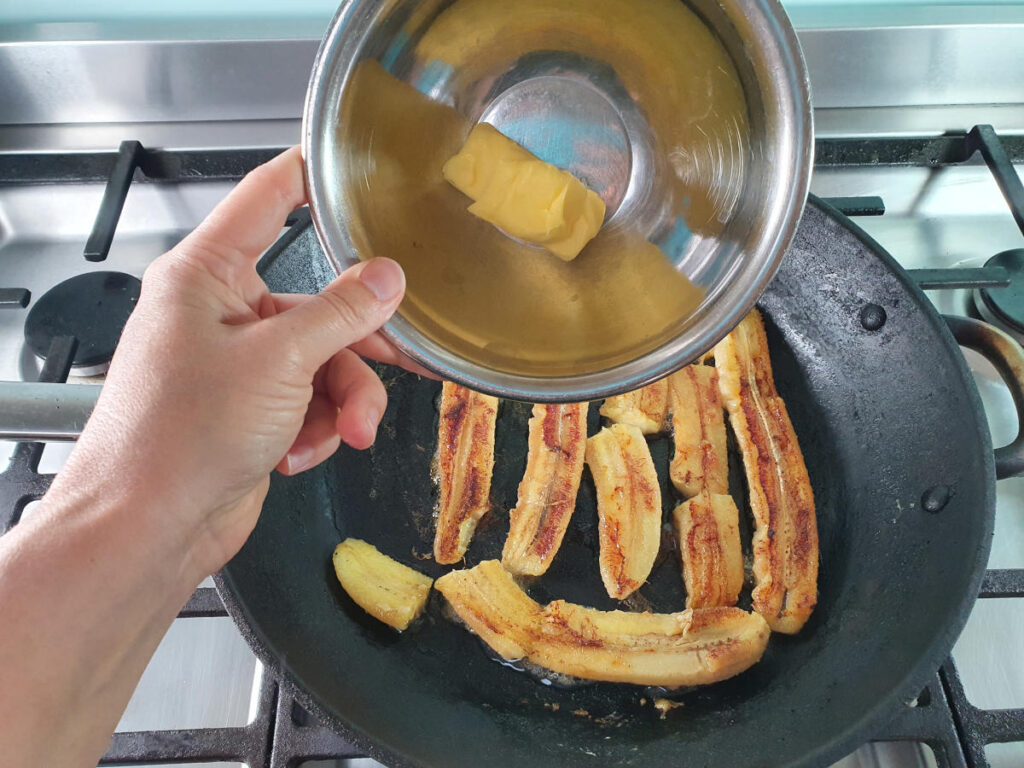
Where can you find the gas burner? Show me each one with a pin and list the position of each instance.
(1004, 307)
(92, 307)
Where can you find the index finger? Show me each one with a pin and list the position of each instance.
(250, 218)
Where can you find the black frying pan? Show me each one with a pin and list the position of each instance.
(902, 465)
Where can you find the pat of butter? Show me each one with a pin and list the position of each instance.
(524, 196)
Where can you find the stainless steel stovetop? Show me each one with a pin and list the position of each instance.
(68, 96)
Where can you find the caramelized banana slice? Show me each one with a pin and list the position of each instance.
(698, 431)
(384, 588)
(786, 537)
(709, 543)
(465, 459)
(693, 647)
(628, 507)
(645, 408)
(489, 601)
(547, 493)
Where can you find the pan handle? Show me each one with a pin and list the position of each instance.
(1008, 358)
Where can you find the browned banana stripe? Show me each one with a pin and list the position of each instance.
(547, 493)
(628, 507)
(785, 541)
(709, 544)
(645, 408)
(692, 647)
(698, 431)
(465, 459)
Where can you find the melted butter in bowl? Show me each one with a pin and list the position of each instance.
(638, 99)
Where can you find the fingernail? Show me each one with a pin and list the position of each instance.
(383, 277)
(300, 458)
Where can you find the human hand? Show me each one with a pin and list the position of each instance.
(216, 381)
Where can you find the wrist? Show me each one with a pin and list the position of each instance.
(141, 531)
(223, 531)
(89, 582)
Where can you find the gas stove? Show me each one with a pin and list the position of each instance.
(85, 206)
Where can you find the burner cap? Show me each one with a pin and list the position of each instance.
(92, 307)
(1005, 305)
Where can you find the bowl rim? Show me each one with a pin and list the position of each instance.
(790, 90)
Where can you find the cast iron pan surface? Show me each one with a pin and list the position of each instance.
(881, 416)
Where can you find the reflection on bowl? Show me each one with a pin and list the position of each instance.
(646, 101)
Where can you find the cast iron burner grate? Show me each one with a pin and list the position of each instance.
(283, 734)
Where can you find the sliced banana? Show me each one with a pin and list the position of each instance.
(465, 461)
(785, 539)
(384, 588)
(628, 507)
(692, 647)
(547, 493)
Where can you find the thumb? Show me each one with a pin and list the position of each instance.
(352, 307)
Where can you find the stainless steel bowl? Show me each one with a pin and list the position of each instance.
(691, 120)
